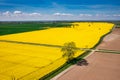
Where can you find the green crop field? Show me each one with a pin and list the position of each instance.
(17, 27)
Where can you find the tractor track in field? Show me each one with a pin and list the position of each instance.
(58, 46)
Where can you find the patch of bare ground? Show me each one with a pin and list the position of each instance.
(101, 66)
(111, 41)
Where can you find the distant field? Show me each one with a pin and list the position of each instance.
(117, 24)
(31, 62)
(17, 27)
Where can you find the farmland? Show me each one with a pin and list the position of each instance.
(29, 62)
(17, 27)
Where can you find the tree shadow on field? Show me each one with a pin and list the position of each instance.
(82, 62)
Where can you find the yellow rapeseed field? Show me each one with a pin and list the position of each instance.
(31, 62)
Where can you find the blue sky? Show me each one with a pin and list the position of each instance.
(59, 10)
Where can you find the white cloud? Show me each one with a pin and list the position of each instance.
(116, 15)
(7, 13)
(103, 15)
(19, 16)
(57, 14)
(85, 15)
(17, 12)
(106, 15)
(35, 14)
(97, 15)
(62, 14)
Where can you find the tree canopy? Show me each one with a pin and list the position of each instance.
(69, 50)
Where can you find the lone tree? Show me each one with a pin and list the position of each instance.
(69, 50)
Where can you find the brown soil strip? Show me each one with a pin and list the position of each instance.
(111, 41)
